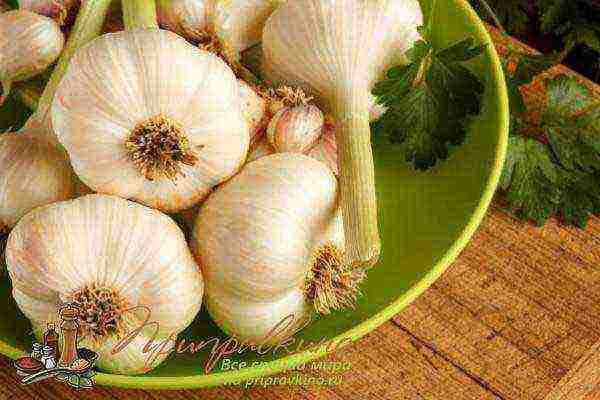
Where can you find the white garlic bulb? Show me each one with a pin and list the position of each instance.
(337, 49)
(235, 24)
(29, 43)
(139, 125)
(33, 172)
(106, 255)
(270, 244)
(295, 129)
(254, 109)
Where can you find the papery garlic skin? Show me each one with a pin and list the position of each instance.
(295, 129)
(33, 173)
(255, 239)
(29, 43)
(325, 150)
(137, 253)
(124, 80)
(254, 109)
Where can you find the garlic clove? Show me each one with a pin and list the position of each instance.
(295, 129)
(29, 43)
(116, 97)
(254, 109)
(325, 150)
(126, 253)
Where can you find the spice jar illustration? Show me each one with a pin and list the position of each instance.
(68, 329)
(51, 340)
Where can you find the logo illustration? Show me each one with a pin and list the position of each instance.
(58, 356)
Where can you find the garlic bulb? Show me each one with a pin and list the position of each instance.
(270, 244)
(254, 109)
(138, 125)
(33, 172)
(231, 25)
(105, 255)
(49, 8)
(295, 129)
(29, 43)
(336, 49)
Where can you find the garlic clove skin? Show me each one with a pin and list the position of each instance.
(29, 43)
(124, 87)
(254, 109)
(325, 150)
(136, 254)
(295, 129)
(33, 173)
(254, 279)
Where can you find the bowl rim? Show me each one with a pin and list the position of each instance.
(372, 323)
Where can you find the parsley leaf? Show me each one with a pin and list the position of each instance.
(12, 4)
(572, 123)
(563, 177)
(529, 179)
(429, 100)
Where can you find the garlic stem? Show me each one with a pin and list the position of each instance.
(88, 26)
(139, 14)
(357, 179)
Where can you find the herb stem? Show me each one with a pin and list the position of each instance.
(139, 14)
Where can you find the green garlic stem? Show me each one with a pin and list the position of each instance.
(88, 26)
(139, 14)
(357, 179)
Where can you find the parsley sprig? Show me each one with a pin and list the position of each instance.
(429, 100)
(558, 173)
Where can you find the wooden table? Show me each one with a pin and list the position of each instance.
(516, 317)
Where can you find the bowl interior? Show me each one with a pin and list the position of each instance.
(425, 220)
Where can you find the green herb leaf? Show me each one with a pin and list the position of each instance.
(529, 178)
(13, 4)
(562, 178)
(572, 123)
(429, 101)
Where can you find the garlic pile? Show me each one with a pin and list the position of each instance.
(144, 116)
(157, 134)
(29, 43)
(337, 49)
(106, 255)
(254, 279)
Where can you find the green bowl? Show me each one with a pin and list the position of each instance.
(426, 219)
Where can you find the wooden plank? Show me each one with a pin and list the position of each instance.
(387, 364)
(583, 381)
